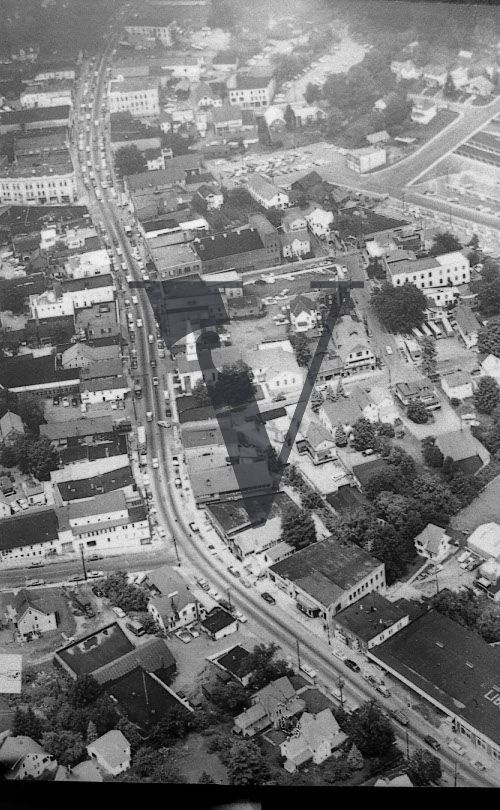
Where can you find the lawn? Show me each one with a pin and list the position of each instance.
(425, 133)
(195, 759)
(483, 509)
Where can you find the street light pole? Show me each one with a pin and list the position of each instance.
(229, 598)
(407, 746)
(298, 652)
(83, 562)
(340, 684)
(176, 549)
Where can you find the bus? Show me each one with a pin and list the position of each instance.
(427, 332)
(447, 326)
(418, 334)
(435, 328)
(413, 349)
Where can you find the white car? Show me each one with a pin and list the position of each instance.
(156, 463)
(388, 350)
(65, 402)
(95, 574)
(214, 594)
(239, 615)
(309, 671)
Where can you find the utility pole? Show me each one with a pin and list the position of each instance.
(455, 775)
(229, 598)
(83, 562)
(407, 746)
(298, 652)
(437, 582)
(176, 549)
(340, 684)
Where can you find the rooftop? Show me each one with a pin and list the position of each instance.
(370, 615)
(113, 747)
(98, 505)
(88, 487)
(217, 619)
(326, 569)
(228, 244)
(77, 428)
(25, 370)
(234, 661)
(92, 652)
(20, 530)
(152, 656)
(244, 81)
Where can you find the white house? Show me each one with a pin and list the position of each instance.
(457, 385)
(435, 75)
(319, 221)
(294, 220)
(24, 758)
(35, 613)
(490, 367)
(304, 314)
(251, 92)
(296, 243)
(352, 346)
(111, 752)
(172, 604)
(266, 193)
(424, 110)
(481, 86)
(460, 76)
(433, 543)
(315, 738)
(446, 270)
(468, 325)
(406, 70)
(210, 197)
(277, 369)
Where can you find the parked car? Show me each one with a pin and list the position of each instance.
(309, 671)
(33, 583)
(156, 463)
(184, 636)
(65, 402)
(97, 591)
(119, 612)
(400, 717)
(370, 679)
(95, 574)
(76, 578)
(203, 583)
(234, 573)
(268, 598)
(178, 483)
(38, 564)
(214, 594)
(383, 690)
(246, 583)
(479, 765)
(225, 604)
(193, 632)
(352, 665)
(55, 401)
(155, 381)
(239, 615)
(456, 747)
(194, 528)
(432, 742)
(94, 557)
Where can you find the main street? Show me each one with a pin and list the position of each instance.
(174, 511)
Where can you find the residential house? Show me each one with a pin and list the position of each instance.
(294, 219)
(315, 738)
(378, 137)
(467, 324)
(266, 193)
(111, 752)
(202, 96)
(433, 543)
(234, 662)
(35, 613)
(369, 622)
(269, 237)
(319, 221)
(421, 390)
(275, 120)
(401, 781)
(277, 369)
(458, 385)
(219, 623)
(343, 413)
(173, 605)
(304, 314)
(490, 367)
(481, 86)
(318, 443)
(423, 111)
(11, 426)
(406, 71)
(307, 114)
(327, 576)
(227, 118)
(271, 706)
(295, 243)
(86, 771)
(352, 347)
(23, 758)
(251, 92)
(209, 198)
(467, 452)
(435, 75)
(460, 76)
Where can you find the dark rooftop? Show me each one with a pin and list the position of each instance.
(142, 699)
(346, 497)
(153, 656)
(93, 651)
(88, 487)
(40, 526)
(26, 369)
(452, 665)
(234, 661)
(228, 244)
(217, 619)
(34, 114)
(364, 471)
(370, 616)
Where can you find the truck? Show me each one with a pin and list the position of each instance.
(141, 438)
(137, 389)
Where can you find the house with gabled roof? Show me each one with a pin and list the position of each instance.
(11, 426)
(304, 314)
(271, 705)
(433, 543)
(296, 243)
(266, 193)
(172, 604)
(24, 758)
(35, 613)
(315, 738)
(352, 346)
(111, 752)
(318, 442)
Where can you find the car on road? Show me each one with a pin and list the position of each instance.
(352, 665)
(246, 583)
(268, 598)
(36, 565)
(139, 323)
(133, 364)
(239, 615)
(388, 349)
(383, 690)
(94, 557)
(119, 612)
(432, 742)
(155, 380)
(76, 578)
(203, 583)
(194, 528)
(456, 747)
(95, 574)
(400, 717)
(370, 679)
(156, 463)
(309, 671)
(224, 603)
(184, 636)
(479, 765)
(213, 594)
(234, 573)
(193, 631)
(33, 583)
(178, 483)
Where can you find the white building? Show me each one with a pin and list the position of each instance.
(424, 110)
(251, 92)
(34, 614)
(460, 76)
(139, 97)
(91, 263)
(485, 541)
(47, 182)
(457, 385)
(468, 325)
(319, 221)
(277, 370)
(107, 522)
(448, 269)
(111, 752)
(266, 193)
(49, 305)
(490, 367)
(315, 738)
(147, 29)
(50, 94)
(56, 73)
(105, 389)
(24, 758)
(172, 604)
(304, 314)
(365, 159)
(296, 243)
(433, 543)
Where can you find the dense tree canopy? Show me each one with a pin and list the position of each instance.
(428, 350)
(424, 768)
(122, 594)
(264, 666)
(444, 243)
(399, 308)
(470, 610)
(417, 412)
(129, 160)
(488, 338)
(487, 395)
(297, 528)
(371, 731)
(363, 434)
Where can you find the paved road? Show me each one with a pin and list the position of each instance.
(175, 509)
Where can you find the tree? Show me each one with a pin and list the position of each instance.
(385, 429)
(388, 548)
(337, 770)
(206, 779)
(404, 463)
(312, 501)
(399, 308)
(431, 453)
(424, 768)
(200, 395)
(222, 15)
(129, 160)
(289, 117)
(91, 732)
(488, 339)
(384, 480)
(8, 455)
(36, 456)
(449, 88)
(428, 347)
(68, 747)
(31, 413)
(340, 437)
(371, 731)
(402, 512)
(230, 697)
(302, 350)
(149, 765)
(247, 765)
(297, 528)
(435, 499)
(488, 297)
(313, 93)
(12, 297)
(173, 726)
(355, 758)
(264, 667)
(363, 434)
(27, 724)
(334, 122)
(235, 384)
(444, 243)
(417, 412)
(487, 395)
(465, 487)
(127, 596)
(130, 731)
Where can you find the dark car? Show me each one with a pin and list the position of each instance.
(55, 401)
(432, 742)
(268, 598)
(97, 591)
(153, 363)
(225, 604)
(352, 665)
(74, 401)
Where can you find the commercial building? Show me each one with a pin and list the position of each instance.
(242, 249)
(328, 576)
(251, 92)
(452, 668)
(139, 97)
(38, 377)
(402, 266)
(365, 159)
(265, 193)
(485, 541)
(369, 622)
(269, 236)
(107, 523)
(36, 118)
(34, 181)
(150, 26)
(47, 94)
(173, 261)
